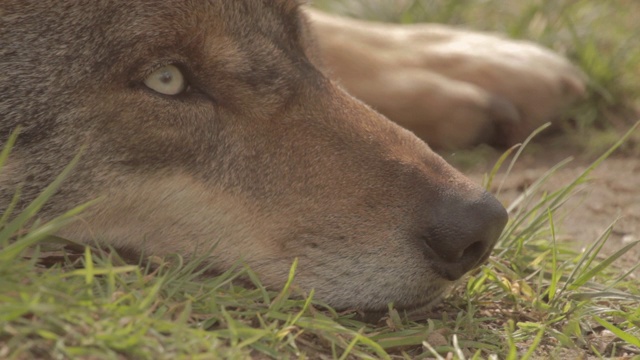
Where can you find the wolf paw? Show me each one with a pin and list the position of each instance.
(454, 88)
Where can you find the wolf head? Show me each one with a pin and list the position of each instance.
(207, 123)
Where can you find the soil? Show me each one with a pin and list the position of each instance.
(611, 195)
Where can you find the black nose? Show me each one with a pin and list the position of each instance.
(463, 233)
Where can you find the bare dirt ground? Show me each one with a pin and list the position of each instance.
(612, 194)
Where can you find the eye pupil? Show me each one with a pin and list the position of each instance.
(166, 77)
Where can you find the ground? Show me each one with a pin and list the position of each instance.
(611, 195)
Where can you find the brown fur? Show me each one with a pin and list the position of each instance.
(263, 156)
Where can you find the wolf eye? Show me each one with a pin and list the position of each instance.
(167, 80)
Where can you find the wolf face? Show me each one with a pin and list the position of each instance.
(207, 123)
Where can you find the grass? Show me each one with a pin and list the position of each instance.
(538, 297)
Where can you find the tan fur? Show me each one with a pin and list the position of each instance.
(253, 237)
(454, 88)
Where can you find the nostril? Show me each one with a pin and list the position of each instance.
(461, 254)
(453, 267)
(474, 251)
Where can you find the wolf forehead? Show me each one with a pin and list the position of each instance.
(100, 35)
(51, 49)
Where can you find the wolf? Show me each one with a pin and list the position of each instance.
(215, 124)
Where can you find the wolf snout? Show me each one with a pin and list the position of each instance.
(463, 233)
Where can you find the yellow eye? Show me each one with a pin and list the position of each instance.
(167, 80)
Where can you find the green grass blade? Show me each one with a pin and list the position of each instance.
(6, 149)
(278, 302)
(580, 281)
(534, 345)
(519, 153)
(498, 166)
(32, 209)
(12, 251)
(633, 340)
